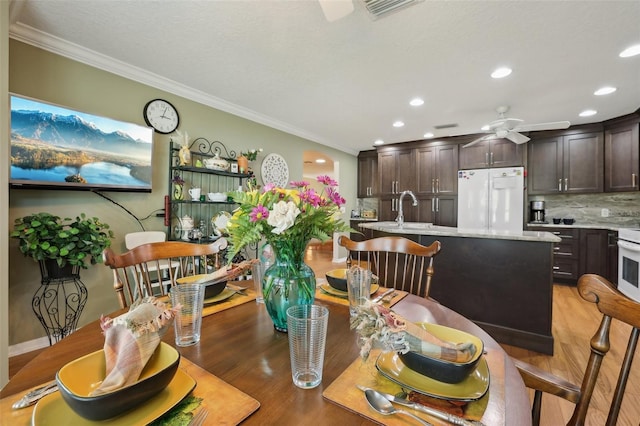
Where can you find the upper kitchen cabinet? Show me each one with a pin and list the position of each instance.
(491, 153)
(368, 174)
(566, 162)
(436, 169)
(621, 159)
(396, 170)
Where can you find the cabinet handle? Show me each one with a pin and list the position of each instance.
(560, 185)
(433, 185)
(433, 205)
(633, 180)
(566, 184)
(437, 185)
(486, 158)
(437, 205)
(555, 268)
(491, 158)
(397, 187)
(556, 248)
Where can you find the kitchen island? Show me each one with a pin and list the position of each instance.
(503, 281)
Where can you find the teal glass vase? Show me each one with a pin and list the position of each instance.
(287, 282)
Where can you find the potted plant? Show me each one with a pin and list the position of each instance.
(65, 243)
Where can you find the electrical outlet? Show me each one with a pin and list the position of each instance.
(604, 212)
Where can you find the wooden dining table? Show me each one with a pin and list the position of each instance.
(240, 347)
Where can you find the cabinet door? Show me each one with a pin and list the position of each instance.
(426, 171)
(387, 209)
(367, 176)
(504, 153)
(545, 166)
(426, 210)
(405, 171)
(621, 159)
(387, 173)
(594, 255)
(447, 211)
(446, 161)
(475, 156)
(583, 164)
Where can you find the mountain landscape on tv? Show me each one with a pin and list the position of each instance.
(52, 147)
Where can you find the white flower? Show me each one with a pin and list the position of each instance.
(283, 216)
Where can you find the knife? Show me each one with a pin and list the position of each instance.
(35, 395)
(451, 418)
(382, 296)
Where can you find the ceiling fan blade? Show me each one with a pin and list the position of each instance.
(554, 125)
(480, 139)
(336, 9)
(508, 123)
(517, 137)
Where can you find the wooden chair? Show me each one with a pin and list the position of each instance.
(397, 261)
(612, 304)
(132, 269)
(135, 239)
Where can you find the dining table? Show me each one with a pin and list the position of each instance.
(249, 361)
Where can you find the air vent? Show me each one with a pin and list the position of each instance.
(378, 8)
(446, 126)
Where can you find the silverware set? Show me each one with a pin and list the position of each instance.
(35, 395)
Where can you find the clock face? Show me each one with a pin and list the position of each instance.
(161, 115)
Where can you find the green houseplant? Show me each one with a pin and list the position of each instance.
(44, 236)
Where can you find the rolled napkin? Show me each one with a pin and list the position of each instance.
(130, 340)
(377, 323)
(226, 272)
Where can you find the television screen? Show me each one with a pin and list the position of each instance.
(56, 147)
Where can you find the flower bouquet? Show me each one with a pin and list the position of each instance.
(287, 219)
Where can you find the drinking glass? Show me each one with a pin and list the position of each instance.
(358, 287)
(188, 319)
(307, 328)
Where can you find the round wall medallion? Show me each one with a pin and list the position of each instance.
(275, 170)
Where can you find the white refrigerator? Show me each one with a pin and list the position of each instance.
(491, 199)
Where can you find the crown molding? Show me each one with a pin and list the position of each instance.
(32, 36)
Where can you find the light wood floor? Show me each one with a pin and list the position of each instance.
(574, 323)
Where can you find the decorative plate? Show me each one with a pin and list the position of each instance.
(470, 389)
(219, 222)
(226, 293)
(51, 409)
(275, 170)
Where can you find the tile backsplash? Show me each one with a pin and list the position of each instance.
(623, 207)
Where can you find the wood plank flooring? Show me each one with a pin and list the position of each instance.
(574, 323)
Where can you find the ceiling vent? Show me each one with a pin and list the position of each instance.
(379, 8)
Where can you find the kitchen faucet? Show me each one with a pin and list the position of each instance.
(400, 218)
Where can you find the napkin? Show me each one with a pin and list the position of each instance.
(130, 340)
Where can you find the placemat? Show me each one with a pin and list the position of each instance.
(326, 297)
(343, 391)
(247, 295)
(226, 404)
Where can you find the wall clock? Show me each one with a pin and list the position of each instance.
(161, 115)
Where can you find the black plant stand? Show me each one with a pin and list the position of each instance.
(60, 299)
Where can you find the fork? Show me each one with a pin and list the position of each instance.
(199, 418)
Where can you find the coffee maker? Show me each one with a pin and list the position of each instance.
(536, 212)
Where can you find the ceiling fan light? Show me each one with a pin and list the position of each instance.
(588, 113)
(630, 51)
(501, 72)
(604, 91)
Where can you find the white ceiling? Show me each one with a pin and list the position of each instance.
(344, 83)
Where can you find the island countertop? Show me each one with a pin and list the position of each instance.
(420, 228)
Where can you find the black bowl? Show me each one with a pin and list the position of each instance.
(211, 289)
(438, 369)
(78, 378)
(337, 278)
(568, 221)
(556, 221)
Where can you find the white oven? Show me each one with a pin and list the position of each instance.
(629, 262)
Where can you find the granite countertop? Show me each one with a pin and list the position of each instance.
(609, 227)
(418, 228)
(364, 219)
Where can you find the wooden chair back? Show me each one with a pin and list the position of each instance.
(132, 270)
(612, 305)
(397, 261)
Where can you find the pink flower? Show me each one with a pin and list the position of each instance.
(326, 180)
(268, 187)
(299, 184)
(311, 196)
(259, 212)
(335, 197)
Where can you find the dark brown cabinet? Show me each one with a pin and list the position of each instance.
(439, 210)
(367, 174)
(594, 256)
(436, 169)
(566, 163)
(492, 153)
(621, 159)
(396, 171)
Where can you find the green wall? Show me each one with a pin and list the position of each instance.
(49, 77)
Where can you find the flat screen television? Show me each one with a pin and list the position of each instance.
(53, 147)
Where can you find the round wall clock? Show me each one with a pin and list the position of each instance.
(161, 115)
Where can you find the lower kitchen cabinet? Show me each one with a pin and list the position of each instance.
(438, 210)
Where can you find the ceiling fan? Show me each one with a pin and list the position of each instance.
(509, 128)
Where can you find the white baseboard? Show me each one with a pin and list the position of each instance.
(31, 345)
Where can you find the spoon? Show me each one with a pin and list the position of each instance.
(382, 405)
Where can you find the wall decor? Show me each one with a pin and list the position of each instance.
(275, 170)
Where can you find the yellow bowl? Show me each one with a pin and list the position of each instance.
(337, 278)
(77, 379)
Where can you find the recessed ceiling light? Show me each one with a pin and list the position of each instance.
(604, 90)
(321, 161)
(630, 51)
(501, 72)
(398, 123)
(485, 128)
(428, 135)
(416, 102)
(378, 142)
(588, 113)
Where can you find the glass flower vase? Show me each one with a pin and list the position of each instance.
(287, 282)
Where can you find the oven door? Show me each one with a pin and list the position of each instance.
(629, 269)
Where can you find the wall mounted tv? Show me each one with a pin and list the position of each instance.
(57, 148)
